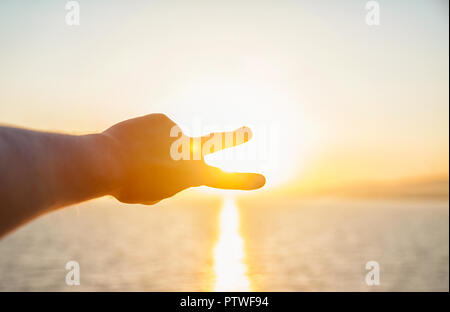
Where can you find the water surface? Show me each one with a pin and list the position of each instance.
(295, 245)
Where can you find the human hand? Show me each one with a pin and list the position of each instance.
(146, 171)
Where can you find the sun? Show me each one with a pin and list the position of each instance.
(279, 138)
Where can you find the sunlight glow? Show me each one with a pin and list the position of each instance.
(231, 272)
(280, 140)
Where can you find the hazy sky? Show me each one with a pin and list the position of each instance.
(352, 102)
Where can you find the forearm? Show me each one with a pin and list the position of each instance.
(44, 171)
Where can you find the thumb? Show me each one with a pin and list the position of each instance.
(217, 178)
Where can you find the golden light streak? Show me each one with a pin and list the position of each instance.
(229, 267)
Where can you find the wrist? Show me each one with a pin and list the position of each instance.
(106, 162)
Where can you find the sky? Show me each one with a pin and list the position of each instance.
(331, 99)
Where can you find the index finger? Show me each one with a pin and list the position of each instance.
(218, 141)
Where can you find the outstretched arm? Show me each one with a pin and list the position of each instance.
(40, 172)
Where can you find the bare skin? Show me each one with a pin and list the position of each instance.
(41, 172)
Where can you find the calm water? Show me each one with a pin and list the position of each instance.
(320, 245)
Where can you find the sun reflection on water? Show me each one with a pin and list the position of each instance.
(229, 267)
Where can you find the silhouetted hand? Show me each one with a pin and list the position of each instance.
(147, 171)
